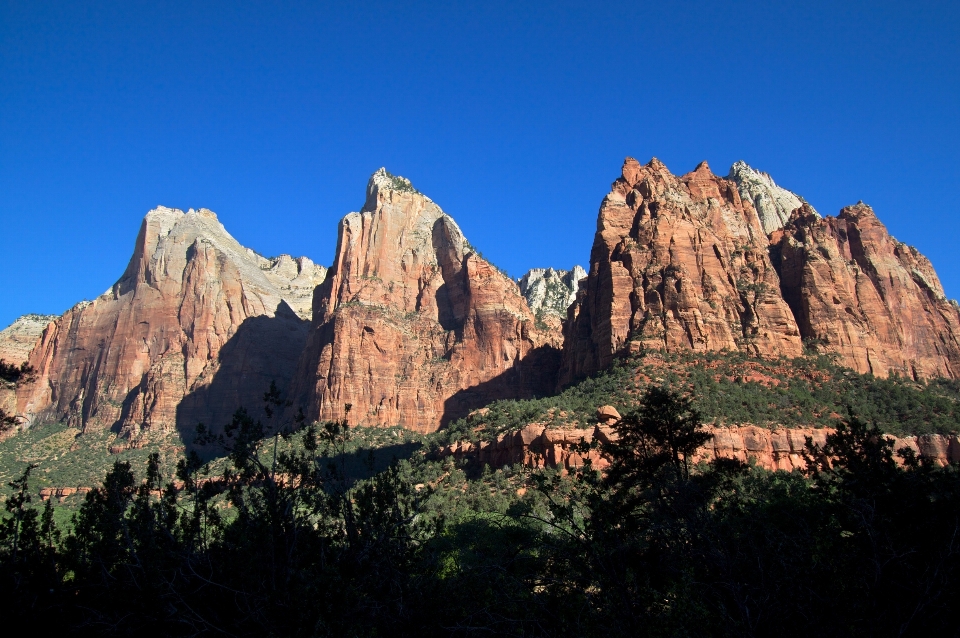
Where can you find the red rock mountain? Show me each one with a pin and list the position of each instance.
(197, 326)
(412, 327)
(859, 293)
(677, 263)
(684, 263)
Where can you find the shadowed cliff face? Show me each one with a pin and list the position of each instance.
(412, 327)
(128, 358)
(677, 263)
(860, 294)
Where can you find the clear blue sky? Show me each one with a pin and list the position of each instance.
(513, 116)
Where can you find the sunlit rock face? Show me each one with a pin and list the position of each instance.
(412, 327)
(18, 339)
(860, 294)
(686, 263)
(677, 263)
(196, 327)
(772, 203)
(549, 291)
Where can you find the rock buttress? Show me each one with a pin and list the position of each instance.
(860, 294)
(412, 327)
(677, 263)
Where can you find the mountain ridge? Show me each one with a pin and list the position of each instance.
(411, 326)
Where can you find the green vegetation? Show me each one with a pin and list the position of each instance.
(401, 184)
(64, 458)
(734, 389)
(281, 542)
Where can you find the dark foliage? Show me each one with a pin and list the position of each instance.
(14, 374)
(284, 543)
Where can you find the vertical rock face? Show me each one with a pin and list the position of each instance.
(772, 203)
(197, 326)
(859, 293)
(411, 326)
(18, 339)
(677, 263)
(549, 291)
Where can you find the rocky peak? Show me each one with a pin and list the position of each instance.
(398, 244)
(196, 325)
(677, 263)
(860, 294)
(772, 203)
(549, 291)
(383, 181)
(411, 325)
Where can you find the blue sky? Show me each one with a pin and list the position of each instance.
(514, 117)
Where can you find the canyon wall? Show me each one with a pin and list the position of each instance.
(686, 263)
(677, 263)
(412, 327)
(859, 293)
(196, 326)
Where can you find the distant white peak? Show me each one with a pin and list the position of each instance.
(772, 203)
(551, 291)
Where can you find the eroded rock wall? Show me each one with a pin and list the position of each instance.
(860, 294)
(411, 326)
(197, 326)
(677, 263)
(781, 449)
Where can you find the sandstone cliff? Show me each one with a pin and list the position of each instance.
(685, 263)
(196, 326)
(549, 291)
(18, 339)
(677, 263)
(411, 326)
(857, 292)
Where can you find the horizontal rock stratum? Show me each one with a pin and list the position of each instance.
(539, 446)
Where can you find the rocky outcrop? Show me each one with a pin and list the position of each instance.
(539, 446)
(18, 339)
(685, 263)
(677, 263)
(859, 293)
(772, 203)
(549, 291)
(412, 327)
(196, 326)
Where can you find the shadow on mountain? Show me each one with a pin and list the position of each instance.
(363, 463)
(535, 376)
(264, 349)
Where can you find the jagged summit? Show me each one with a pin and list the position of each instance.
(412, 326)
(772, 203)
(549, 291)
(383, 180)
(195, 326)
